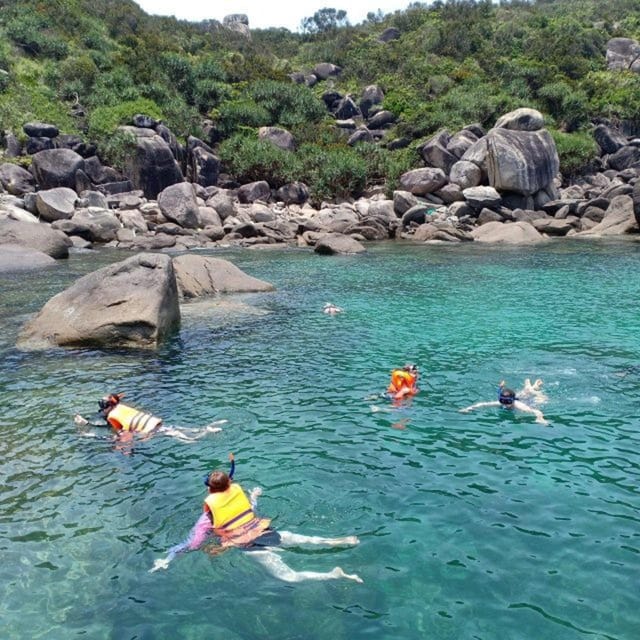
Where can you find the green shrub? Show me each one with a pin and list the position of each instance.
(577, 151)
(336, 172)
(103, 121)
(29, 31)
(567, 105)
(287, 104)
(27, 97)
(116, 149)
(235, 114)
(180, 74)
(112, 88)
(249, 160)
(614, 95)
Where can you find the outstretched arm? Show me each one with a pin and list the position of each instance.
(197, 536)
(521, 406)
(477, 405)
(82, 421)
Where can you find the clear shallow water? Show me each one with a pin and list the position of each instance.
(481, 525)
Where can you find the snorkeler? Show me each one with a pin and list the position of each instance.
(404, 382)
(126, 419)
(508, 400)
(331, 309)
(230, 515)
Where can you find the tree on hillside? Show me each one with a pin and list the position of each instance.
(325, 21)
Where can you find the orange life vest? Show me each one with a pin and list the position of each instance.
(233, 518)
(401, 379)
(126, 418)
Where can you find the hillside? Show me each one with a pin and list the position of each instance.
(88, 67)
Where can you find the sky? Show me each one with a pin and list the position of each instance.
(264, 14)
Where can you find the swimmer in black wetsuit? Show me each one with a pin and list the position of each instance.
(507, 399)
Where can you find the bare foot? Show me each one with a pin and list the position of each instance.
(339, 573)
(347, 540)
(162, 563)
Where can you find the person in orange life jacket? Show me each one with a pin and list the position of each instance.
(403, 382)
(230, 515)
(507, 399)
(126, 419)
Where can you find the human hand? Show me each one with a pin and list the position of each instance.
(161, 563)
(256, 492)
(231, 457)
(78, 419)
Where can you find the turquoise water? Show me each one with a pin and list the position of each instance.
(481, 525)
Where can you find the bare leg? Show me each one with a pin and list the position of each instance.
(276, 566)
(191, 434)
(288, 539)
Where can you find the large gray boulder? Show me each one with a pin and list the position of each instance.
(56, 204)
(419, 182)
(223, 202)
(15, 258)
(465, 174)
(623, 54)
(278, 137)
(618, 219)
(14, 212)
(435, 154)
(371, 95)
(179, 204)
(521, 161)
(201, 275)
(93, 224)
(332, 243)
(16, 180)
(325, 70)
(523, 119)
(131, 304)
(35, 236)
(293, 193)
(56, 168)
(253, 191)
(635, 196)
(204, 166)
(507, 233)
(609, 140)
(151, 166)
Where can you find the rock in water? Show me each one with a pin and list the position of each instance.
(131, 304)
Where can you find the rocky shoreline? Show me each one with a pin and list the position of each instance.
(501, 186)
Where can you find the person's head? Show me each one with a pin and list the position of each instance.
(109, 402)
(412, 369)
(217, 481)
(506, 397)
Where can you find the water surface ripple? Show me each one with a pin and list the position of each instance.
(481, 525)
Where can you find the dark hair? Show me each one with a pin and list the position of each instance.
(506, 396)
(218, 481)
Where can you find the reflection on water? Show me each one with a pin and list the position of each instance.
(472, 525)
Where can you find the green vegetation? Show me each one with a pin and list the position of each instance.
(455, 62)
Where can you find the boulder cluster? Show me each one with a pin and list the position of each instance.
(473, 186)
(132, 304)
